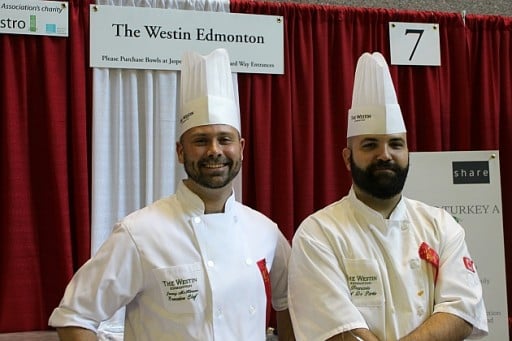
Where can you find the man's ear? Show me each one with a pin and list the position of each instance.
(242, 146)
(179, 152)
(346, 157)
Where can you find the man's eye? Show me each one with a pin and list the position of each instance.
(225, 140)
(368, 145)
(397, 145)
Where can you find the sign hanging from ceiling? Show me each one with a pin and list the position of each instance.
(155, 38)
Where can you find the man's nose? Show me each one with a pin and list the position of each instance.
(384, 153)
(214, 148)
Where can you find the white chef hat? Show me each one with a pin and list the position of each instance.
(375, 109)
(207, 95)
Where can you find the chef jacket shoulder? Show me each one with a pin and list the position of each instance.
(177, 208)
(438, 219)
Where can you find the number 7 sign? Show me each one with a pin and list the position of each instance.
(414, 43)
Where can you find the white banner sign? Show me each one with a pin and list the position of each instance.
(154, 38)
(467, 185)
(47, 18)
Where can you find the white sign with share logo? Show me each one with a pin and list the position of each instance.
(45, 18)
(467, 185)
(414, 44)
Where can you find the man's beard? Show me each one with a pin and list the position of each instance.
(381, 185)
(212, 179)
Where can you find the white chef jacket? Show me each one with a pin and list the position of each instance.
(351, 268)
(183, 275)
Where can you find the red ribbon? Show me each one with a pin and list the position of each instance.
(262, 265)
(430, 255)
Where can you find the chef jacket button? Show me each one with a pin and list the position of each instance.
(235, 219)
(414, 263)
(405, 226)
(248, 261)
(252, 309)
(420, 311)
(211, 263)
(219, 312)
(197, 220)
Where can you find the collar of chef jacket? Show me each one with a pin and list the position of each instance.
(193, 205)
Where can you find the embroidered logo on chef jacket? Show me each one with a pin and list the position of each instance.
(362, 285)
(364, 282)
(469, 264)
(471, 276)
(182, 287)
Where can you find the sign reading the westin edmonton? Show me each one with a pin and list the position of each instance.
(34, 17)
(155, 38)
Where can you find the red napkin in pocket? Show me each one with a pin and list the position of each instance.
(430, 255)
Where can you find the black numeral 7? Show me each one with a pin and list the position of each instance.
(414, 31)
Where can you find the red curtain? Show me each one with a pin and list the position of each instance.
(295, 123)
(44, 199)
(490, 116)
